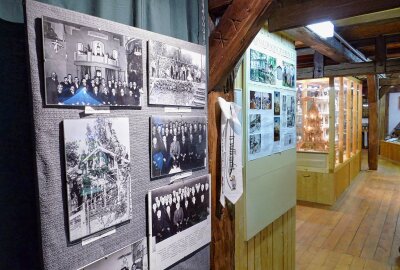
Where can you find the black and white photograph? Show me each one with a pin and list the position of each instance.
(97, 157)
(255, 123)
(177, 144)
(177, 76)
(291, 116)
(288, 76)
(255, 144)
(84, 66)
(266, 101)
(132, 257)
(255, 100)
(277, 129)
(277, 103)
(179, 215)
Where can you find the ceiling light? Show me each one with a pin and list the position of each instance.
(323, 29)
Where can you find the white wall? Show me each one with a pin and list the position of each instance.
(394, 111)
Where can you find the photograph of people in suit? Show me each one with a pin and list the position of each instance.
(177, 208)
(177, 144)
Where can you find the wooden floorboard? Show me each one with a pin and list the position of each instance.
(361, 231)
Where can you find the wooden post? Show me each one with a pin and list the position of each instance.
(332, 150)
(348, 118)
(355, 114)
(223, 225)
(373, 142)
(341, 118)
(360, 108)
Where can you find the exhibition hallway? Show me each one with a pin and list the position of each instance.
(360, 231)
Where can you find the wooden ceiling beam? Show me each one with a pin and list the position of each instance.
(217, 4)
(389, 82)
(367, 42)
(370, 30)
(238, 26)
(298, 13)
(350, 69)
(329, 47)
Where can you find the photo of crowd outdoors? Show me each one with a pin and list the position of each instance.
(84, 66)
(97, 157)
(177, 207)
(178, 143)
(177, 76)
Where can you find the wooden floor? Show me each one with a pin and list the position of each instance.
(361, 231)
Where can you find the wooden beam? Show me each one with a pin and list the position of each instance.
(389, 81)
(297, 13)
(380, 55)
(238, 26)
(385, 90)
(318, 65)
(214, 5)
(304, 51)
(370, 30)
(373, 134)
(330, 47)
(349, 69)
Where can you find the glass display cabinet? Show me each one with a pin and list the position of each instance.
(329, 112)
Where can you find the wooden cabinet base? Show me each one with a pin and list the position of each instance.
(326, 188)
(390, 151)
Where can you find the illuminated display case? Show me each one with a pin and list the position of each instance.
(329, 112)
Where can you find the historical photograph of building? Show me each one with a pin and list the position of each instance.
(132, 257)
(97, 158)
(84, 66)
(177, 76)
(178, 143)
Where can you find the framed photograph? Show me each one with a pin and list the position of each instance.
(255, 144)
(277, 103)
(262, 67)
(132, 257)
(177, 144)
(289, 75)
(277, 129)
(97, 157)
(266, 101)
(255, 100)
(255, 123)
(84, 66)
(177, 76)
(179, 220)
(291, 112)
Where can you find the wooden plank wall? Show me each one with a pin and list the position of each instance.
(272, 248)
(222, 235)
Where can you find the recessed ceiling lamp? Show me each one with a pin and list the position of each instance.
(323, 29)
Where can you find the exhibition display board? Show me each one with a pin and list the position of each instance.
(329, 112)
(269, 104)
(98, 89)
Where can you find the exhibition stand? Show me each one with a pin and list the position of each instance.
(328, 137)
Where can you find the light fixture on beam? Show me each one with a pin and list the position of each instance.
(323, 29)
